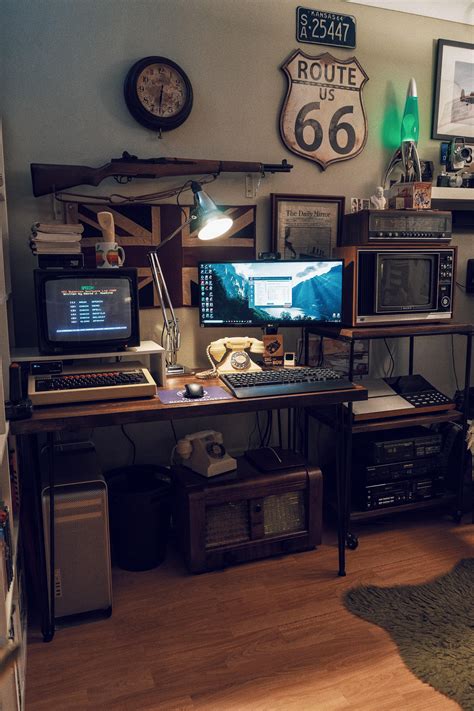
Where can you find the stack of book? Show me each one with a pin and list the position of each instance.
(55, 238)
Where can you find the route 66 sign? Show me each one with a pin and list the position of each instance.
(322, 118)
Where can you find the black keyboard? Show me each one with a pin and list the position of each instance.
(284, 381)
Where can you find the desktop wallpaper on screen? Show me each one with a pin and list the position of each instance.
(262, 292)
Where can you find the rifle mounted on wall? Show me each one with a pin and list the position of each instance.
(51, 178)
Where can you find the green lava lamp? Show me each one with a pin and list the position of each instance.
(407, 153)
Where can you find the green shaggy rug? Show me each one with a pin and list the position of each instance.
(433, 626)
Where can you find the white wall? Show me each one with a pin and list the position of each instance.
(64, 62)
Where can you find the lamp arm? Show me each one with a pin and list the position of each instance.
(170, 325)
(178, 229)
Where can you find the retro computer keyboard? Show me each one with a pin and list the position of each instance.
(284, 381)
(115, 381)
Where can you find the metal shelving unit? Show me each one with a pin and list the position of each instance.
(353, 427)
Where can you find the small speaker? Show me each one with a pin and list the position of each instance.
(82, 570)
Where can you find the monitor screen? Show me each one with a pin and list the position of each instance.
(82, 309)
(288, 293)
(406, 281)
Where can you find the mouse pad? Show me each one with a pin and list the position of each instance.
(211, 392)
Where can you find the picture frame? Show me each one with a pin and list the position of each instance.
(305, 226)
(453, 98)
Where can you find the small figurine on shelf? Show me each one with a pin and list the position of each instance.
(378, 200)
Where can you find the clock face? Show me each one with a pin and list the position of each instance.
(158, 93)
(161, 90)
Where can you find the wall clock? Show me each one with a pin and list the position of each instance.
(158, 93)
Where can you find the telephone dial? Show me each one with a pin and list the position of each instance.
(230, 355)
(204, 453)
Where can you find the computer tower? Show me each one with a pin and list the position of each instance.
(83, 578)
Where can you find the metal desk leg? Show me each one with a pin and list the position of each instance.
(340, 490)
(464, 451)
(30, 445)
(52, 562)
(351, 540)
(411, 355)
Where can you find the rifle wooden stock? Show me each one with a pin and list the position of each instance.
(49, 177)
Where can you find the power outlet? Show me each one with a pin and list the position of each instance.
(250, 190)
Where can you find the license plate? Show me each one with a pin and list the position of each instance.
(322, 27)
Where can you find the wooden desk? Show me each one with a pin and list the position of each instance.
(46, 421)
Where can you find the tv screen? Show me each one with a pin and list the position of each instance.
(406, 281)
(85, 309)
(287, 293)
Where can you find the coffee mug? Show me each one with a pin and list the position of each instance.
(109, 255)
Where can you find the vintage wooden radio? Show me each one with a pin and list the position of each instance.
(245, 515)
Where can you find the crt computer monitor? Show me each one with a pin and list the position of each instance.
(281, 293)
(81, 310)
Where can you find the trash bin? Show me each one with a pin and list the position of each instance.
(140, 511)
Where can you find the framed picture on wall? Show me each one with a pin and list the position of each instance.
(305, 226)
(453, 103)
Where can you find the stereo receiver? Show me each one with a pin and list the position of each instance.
(397, 493)
(401, 446)
(382, 226)
(375, 473)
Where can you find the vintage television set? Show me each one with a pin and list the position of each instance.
(81, 310)
(397, 285)
(276, 292)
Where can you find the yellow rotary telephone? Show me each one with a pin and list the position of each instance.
(232, 355)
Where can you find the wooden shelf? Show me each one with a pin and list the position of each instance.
(348, 333)
(407, 421)
(22, 355)
(452, 198)
(327, 417)
(438, 502)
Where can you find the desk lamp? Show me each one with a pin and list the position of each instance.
(213, 224)
(407, 153)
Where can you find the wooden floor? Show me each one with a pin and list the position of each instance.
(257, 637)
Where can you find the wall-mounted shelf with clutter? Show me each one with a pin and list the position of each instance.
(460, 201)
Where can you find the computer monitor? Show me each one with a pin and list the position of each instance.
(281, 293)
(81, 310)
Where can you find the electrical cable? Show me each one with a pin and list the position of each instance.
(174, 431)
(268, 429)
(119, 199)
(461, 286)
(134, 448)
(300, 349)
(392, 365)
(249, 441)
(454, 363)
(321, 352)
(259, 430)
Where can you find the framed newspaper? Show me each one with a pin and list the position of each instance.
(306, 226)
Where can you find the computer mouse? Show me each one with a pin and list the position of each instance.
(193, 390)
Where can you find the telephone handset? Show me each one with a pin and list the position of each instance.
(204, 453)
(229, 355)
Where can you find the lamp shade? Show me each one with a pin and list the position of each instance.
(214, 223)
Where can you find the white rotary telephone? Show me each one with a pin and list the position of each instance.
(232, 356)
(204, 453)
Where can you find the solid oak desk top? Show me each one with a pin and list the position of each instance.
(57, 418)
